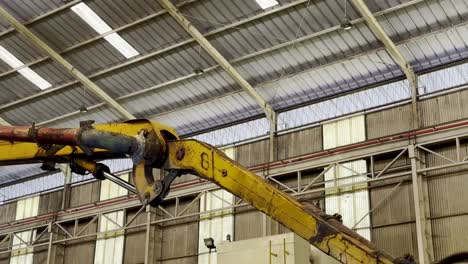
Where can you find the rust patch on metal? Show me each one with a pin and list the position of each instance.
(330, 226)
(180, 154)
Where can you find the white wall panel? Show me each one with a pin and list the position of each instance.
(230, 152)
(21, 252)
(216, 225)
(110, 245)
(344, 132)
(351, 202)
(111, 190)
(27, 207)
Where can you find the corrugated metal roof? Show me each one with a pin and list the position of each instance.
(270, 65)
(294, 54)
(10, 173)
(354, 73)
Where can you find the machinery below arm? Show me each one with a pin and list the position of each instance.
(151, 145)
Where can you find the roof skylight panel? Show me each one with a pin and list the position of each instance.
(101, 27)
(20, 67)
(266, 3)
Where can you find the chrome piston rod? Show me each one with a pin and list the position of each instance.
(124, 184)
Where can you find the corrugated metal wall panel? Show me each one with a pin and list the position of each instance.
(81, 251)
(247, 223)
(253, 154)
(447, 187)
(448, 150)
(134, 252)
(7, 212)
(448, 194)
(398, 208)
(180, 237)
(50, 202)
(389, 121)
(4, 258)
(307, 177)
(444, 108)
(392, 229)
(40, 254)
(449, 235)
(299, 143)
(288, 145)
(397, 240)
(381, 161)
(84, 194)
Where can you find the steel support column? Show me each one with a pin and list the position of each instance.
(423, 227)
(91, 86)
(395, 53)
(3, 122)
(152, 241)
(273, 131)
(55, 252)
(66, 170)
(267, 222)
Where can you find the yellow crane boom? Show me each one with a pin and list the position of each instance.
(152, 145)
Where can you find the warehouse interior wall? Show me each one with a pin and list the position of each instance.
(391, 226)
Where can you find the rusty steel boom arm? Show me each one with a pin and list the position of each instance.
(152, 145)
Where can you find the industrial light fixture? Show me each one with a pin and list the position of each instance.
(101, 27)
(209, 243)
(29, 74)
(198, 71)
(266, 3)
(347, 24)
(83, 108)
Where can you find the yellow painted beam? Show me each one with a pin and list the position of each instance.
(306, 221)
